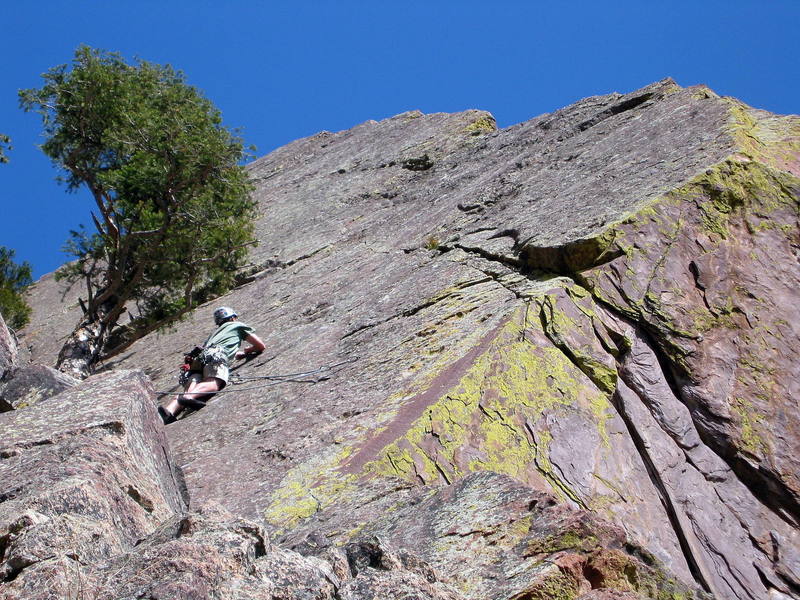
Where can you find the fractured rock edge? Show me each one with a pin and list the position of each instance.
(736, 493)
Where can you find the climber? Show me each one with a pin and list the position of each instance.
(208, 367)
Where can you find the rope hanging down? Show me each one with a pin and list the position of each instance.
(301, 377)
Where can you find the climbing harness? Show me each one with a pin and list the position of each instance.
(197, 359)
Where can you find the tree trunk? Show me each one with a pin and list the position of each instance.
(83, 348)
(80, 352)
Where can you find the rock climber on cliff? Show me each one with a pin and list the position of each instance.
(208, 367)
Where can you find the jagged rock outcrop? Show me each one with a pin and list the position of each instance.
(494, 537)
(84, 476)
(600, 303)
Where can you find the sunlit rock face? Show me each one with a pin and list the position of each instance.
(553, 360)
(8, 351)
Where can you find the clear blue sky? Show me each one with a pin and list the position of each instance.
(285, 70)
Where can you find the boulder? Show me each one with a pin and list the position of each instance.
(31, 384)
(489, 536)
(378, 571)
(83, 477)
(212, 554)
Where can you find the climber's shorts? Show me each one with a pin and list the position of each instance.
(212, 362)
(220, 371)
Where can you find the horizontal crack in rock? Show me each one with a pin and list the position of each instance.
(616, 109)
(414, 310)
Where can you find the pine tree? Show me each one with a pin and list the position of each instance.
(14, 279)
(173, 208)
(5, 142)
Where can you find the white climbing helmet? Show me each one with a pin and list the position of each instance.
(222, 314)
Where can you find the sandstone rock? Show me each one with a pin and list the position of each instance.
(8, 351)
(213, 555)
(192, 556)
(603, 594)
(374, 584)
(55, 310)
(489, 536)
(600, 303)
(32, 384)
(83, 477)
(711, 272)
(708, 500)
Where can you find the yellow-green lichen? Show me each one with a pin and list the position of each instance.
(759, 377)
(520, 528)
(741, 189)
(772, 139)
(485, 124)
(731, 192)
(563, 540)
(556, 584)
(431, 243)
(561, 329)
(307, 489)
(703, 92)
(751, 424)
(484, 421)
(596, 249)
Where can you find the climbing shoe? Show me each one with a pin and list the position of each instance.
(166, 416)
(194, 403)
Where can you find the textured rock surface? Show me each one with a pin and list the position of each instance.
(84, 476)
(214, 555)
(8, 351)
(55, 312)
(600, 303)
(493, 537)
(205, 555)
(31, 384)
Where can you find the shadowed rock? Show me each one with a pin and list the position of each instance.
(31, 384)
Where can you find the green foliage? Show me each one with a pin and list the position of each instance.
(174, 213)
(4, 141)
(14, 279)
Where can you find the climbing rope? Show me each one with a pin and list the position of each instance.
(236, 378)
(301, 377)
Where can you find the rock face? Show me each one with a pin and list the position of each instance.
(31, 384)
(8, 351)
(494, 537)
(554, 360)
(87, 472)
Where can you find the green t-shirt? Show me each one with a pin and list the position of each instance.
(229, 336)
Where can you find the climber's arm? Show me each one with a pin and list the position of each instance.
(256, 346)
